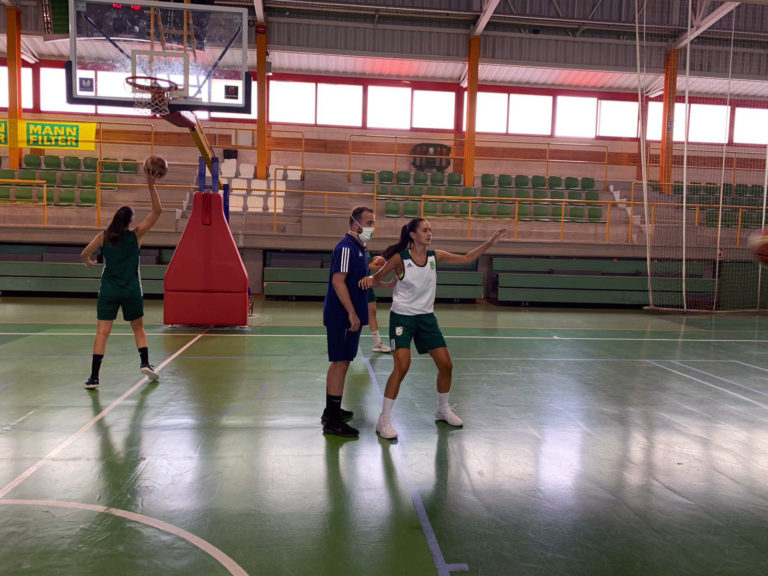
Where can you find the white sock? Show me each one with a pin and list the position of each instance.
(386, 409)
(442, 400)
(376, 337)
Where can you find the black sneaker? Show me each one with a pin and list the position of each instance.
(91, 383)
(340, 429)
(149, 370)
(345, 415)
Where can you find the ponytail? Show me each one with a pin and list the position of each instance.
(405, 238)
(119, 224)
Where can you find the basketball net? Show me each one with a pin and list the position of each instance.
(153, 94)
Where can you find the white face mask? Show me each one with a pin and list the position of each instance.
(367, 232)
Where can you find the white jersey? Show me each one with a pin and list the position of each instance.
(414, 292)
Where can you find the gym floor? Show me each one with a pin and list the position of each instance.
(595, 442)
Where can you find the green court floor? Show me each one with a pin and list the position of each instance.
(595, 442)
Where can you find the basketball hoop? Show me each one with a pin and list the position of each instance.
(152, 93)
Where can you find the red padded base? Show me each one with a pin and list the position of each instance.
(206, 308)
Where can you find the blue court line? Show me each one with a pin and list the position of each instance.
(750, 365)
(443, 568)
(684, 375)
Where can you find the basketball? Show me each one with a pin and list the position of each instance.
(758, 243)
(155, 165)
(377, 263)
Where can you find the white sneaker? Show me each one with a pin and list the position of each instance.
(446, 415)
(384, 428)
(381, 347)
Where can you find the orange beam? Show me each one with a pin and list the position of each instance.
(262, 152)
(670, 93)
(469, 144)
(13, 22)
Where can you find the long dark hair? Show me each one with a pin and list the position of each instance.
(120, 222)
(405, 238)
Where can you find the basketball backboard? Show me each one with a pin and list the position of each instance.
(201, 48)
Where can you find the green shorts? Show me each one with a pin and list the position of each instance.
(371, 295)
(110, 299)
(422, 328)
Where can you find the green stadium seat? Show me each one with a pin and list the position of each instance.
(488, 180)
(26, 175)
(90, 163)
(592, 195)
(504, 210)
(129, 166)
(435, 190)
(87, 197)
(588, 184)
(741, 190)
(24, 193)
(469, 192)
(416, 191)
(555, 183)
(430, 209)
(541, 212)
(50, 196)
(727, 189)
(72, 163)
(392, 209)
(5, 192)
(556, 194)
(539, 182)
(454, 179)
(7, 174)
(575, 195)
(420, 178)
(523, 194)
(523, 212)
(383, 190)
(756, 190)
(109, 181)
(411, 209)
(541, 194)
(49, 178)
(32, 161)
(88, 180)
(595, 214)
(464, 210)
(367, 177)
(577, 214)
(110, 165)
(386, 177)
(452, 191)
(505, 193)
(51, 162)
(571, 183)
(448, 209)
(403, 177)
(66, 197)
(488, 194)
(397, 191)
(556, 211)
(505, 181)
(484, 210)
(68, 179)
(437, 179)
(522, 181)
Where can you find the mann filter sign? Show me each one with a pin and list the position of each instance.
(34, 134)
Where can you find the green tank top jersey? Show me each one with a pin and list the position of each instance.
(121, 263)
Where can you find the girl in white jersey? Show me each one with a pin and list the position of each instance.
(411, 316)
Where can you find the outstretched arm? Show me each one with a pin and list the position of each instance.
(157, 209)
(88, 251)
(394, 264)
(450, 258)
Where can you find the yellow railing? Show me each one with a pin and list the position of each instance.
(25, 203)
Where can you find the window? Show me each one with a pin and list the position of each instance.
(616, 118)
(491, 112)
(292, 102)
(750, 126)
(56, 100)
(389, 107)
(432, 109)
(340, 104)
(529, 114)
(576, 117)
(26, 87)
(709, 123)
(656, 117)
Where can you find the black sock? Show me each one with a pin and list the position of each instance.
(332, 408)
(144, 353)
(96, 365)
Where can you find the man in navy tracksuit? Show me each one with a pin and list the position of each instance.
(345, 312)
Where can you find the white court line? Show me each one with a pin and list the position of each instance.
(228, 563)
(45, 459)
(549, 338)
